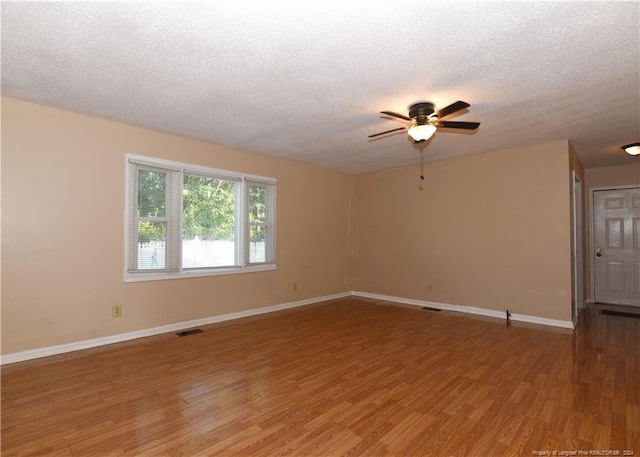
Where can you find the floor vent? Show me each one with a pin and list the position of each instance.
(619, 313)
(189, 332)
(426, 308)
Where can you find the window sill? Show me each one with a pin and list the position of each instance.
(162, 276)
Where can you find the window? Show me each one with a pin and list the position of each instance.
(185, 220)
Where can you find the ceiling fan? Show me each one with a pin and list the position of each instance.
(425, 120)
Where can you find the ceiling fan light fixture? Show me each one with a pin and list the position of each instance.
(422, 132)
(632, 149)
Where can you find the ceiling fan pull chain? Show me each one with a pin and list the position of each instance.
(422, 164)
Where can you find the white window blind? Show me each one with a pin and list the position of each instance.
(154, 218)
(261, 212)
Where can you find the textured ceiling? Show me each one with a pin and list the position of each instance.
(306, 81)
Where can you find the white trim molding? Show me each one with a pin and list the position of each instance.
(87, 344)
(468, 310)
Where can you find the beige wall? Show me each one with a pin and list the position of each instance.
(489, 230)
(62, 231)
(621, 175)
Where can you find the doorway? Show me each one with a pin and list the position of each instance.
(615, 253)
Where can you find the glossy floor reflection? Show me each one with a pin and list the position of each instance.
(347, 377)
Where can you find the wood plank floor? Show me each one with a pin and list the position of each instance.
(343, 378)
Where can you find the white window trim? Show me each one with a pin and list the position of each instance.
(243, 224)
(270, 222)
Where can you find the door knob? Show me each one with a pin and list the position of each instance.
(598, 252)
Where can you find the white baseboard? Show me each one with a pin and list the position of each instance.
(86, 344)
(468, 310)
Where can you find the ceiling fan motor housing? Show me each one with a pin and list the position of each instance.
(421, 112)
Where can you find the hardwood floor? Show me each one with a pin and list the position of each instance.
(348, 377)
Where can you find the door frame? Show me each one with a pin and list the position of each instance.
(577, 241)
(592, 248)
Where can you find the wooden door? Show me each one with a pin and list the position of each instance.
(616, 258)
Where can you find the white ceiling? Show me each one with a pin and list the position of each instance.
(306, 81)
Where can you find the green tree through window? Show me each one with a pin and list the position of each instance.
(208, 208)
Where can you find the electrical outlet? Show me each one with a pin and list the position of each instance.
(116, 311)
(294, 286)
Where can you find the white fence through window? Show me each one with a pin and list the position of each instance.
(197, 253)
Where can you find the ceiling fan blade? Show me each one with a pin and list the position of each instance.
(458, 125)
(401, 116)
(388, 131)
(452, 108)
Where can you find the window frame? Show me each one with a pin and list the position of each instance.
(268, 224)
(133, 161)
